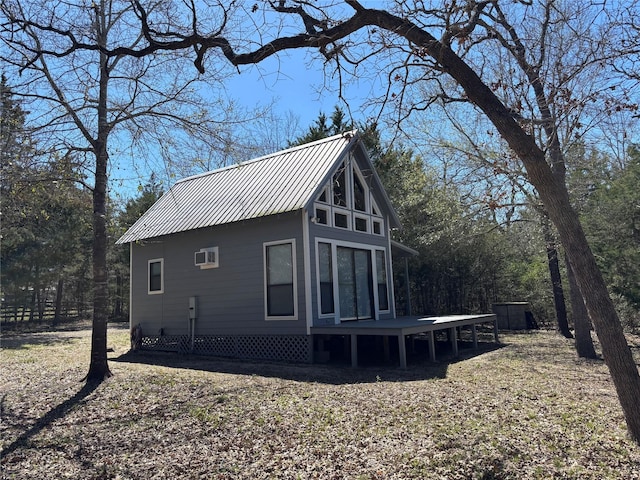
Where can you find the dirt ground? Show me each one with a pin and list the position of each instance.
(526, 409)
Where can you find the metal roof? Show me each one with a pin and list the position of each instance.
(284, 181)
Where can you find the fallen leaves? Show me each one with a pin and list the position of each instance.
(527, 410)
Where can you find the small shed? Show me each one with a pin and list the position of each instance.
(511, 315)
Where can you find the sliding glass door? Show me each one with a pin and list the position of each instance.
(355, 283)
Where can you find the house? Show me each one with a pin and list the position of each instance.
(245, 260)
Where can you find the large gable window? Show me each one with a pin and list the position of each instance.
(280, 280)
(359, 193)
(340, 189)
(346, 202)
(155, 276)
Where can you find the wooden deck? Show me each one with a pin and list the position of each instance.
(403, 326)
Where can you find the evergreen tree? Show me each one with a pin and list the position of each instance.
(612, 220)
(118, 257)
(321, 129)
(18, 239)
(45, 227)
(13, 140)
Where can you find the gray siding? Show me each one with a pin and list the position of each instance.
(230, 297)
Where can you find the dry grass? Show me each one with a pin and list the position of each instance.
(528, 410)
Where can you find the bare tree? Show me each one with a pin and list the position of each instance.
(436, 42)
(496, 181)
(582, 325)
(416, 44)
(84, 101)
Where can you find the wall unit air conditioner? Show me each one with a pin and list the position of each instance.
(206, 258)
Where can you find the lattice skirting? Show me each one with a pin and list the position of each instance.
(289, 348)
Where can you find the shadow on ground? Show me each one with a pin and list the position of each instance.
(25, 340)
(371, 367)
(42, 334)
(51, 416)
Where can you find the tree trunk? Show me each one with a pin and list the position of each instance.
(98, 367)
(24, 309)
(581, 323)
(41, 302)
(615, 349)
(117, 309)
(80, 299)
(556, 279)
(56, 315)
(36, 286)
(555, 197)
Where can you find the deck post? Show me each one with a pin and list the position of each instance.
(474, 336)
(385, 348)
(432, 346)
(354, 350)
(401, 327)
(402, 349)
(454, 340)
(310, 356)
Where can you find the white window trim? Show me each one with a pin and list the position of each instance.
(352, 170)
(374, 208)
(363, 216)
(292, 242)
(374, 272)
(327, 209)
(327, 195)
(381, 221)
(342, 211)
(355, 170)
(149, 262)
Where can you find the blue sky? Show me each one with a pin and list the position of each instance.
(299, 85)
(291, 82)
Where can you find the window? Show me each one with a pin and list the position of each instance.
(323, 196)
(361, 223)
(352, 280)
(280, 280)
(346, 202)
(355, 283)
(322, 216)
(341, 220)
(156, 276)
(381, 275)
(325, 272)
(340, 188)
(359, 193)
